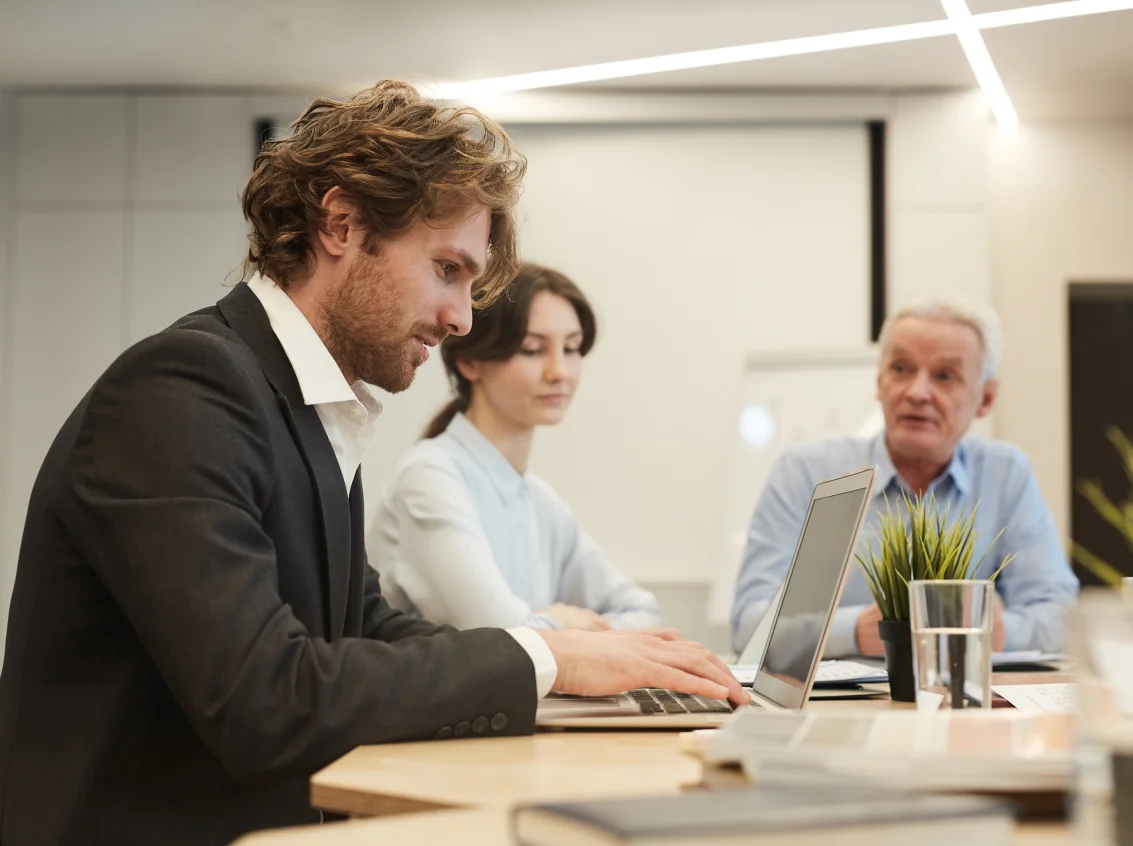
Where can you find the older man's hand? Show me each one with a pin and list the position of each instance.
(573, 617)
(869, 641)
(866, 634)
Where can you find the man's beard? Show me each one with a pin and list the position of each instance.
(365, 331)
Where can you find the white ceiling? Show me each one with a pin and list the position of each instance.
(1079, 66)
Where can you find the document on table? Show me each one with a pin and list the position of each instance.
(1057, 698)
(1008, 659)
(829, 672)
(835, 672)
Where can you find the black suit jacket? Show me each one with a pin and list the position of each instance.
(194, 627)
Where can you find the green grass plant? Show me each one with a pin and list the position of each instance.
(1117, 514)
(919, 542)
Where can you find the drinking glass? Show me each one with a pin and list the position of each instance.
(952, 628)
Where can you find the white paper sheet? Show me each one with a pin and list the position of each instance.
(1057, 698)
(828, 671)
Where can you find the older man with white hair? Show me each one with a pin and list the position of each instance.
(937, 373)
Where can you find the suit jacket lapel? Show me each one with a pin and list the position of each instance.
(245, 314)
(358, 560)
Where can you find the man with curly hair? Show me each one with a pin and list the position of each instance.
(195, 629)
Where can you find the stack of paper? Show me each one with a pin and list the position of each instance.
(829, 673)
(1027, 659)
(993, 750)
(840, 672)
(834, 673)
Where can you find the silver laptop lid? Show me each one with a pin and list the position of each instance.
(812, 589)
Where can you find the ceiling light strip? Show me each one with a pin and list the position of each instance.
(980, 60)
(1049, 12)
(779, 49)
(696, 59)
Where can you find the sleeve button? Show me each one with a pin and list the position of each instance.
(461, 729)
(499, 722)
(443, 733)
(479, 725)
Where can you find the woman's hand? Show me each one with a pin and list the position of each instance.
(573, 617)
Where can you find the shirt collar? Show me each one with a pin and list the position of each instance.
(319, 376)
(505, 477)
(879, 456)
(957, 468)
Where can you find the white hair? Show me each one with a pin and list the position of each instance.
(984, 320)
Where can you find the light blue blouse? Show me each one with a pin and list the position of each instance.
(460, 537)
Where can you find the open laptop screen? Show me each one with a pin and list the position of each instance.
(813, 586)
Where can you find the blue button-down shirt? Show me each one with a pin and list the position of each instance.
(1035, 587)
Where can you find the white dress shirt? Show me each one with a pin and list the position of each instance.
(461, 538)
(349, 414)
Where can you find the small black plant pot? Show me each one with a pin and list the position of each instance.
(897, 638)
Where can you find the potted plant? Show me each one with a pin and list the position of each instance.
(914, 543)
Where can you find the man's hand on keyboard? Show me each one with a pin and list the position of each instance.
(605, 663)
(869, 639)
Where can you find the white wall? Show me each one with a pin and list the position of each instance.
(1063, 212)
(699, 245)
(939, 196)
(124, 216)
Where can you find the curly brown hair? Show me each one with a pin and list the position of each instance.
(400, 159)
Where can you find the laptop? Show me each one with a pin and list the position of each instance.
(798, 630)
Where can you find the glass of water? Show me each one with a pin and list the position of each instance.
(952, 628)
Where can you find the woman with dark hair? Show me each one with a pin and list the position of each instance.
(465, 534)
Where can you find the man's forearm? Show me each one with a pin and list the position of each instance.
(842, 641)
(1040, 626)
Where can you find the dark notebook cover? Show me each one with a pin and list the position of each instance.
(736, 811)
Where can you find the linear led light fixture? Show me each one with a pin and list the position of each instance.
(1048, 12)
(696, 59)
(979, 58)
(772, 49)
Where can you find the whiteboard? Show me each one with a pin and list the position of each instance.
(783, 401)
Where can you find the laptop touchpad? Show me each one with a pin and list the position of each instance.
(554, 706)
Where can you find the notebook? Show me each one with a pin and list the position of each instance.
(768, 817)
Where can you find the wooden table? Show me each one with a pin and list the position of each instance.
(490, 827)
(402, 778)
(469, 785)
(501, 771)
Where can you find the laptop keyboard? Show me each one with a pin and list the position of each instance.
(653, 700)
